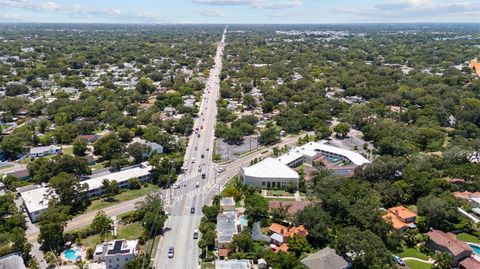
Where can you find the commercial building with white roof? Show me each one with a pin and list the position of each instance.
(269, 173)
(335, 152)
(95, 184)
(36, 201)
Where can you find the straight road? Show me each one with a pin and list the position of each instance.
(185, 212)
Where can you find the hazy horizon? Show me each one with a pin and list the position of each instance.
(239, 11)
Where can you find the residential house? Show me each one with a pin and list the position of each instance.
(116, 253)
(280, 234)
(469, 263)
(36, 201)
(89, 138)
(21, 174)
(154, 147)
(233, 264)
(326, 258)
(45, 151)
(448, 242)
(475, 65)
(227, 204)
(292, 207)
(12, 261)
(466, 195)
(401, 218)
(227, 227)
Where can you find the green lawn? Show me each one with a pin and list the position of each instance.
(412, 252)
(130, 231)
(418, 265)
(97, 166)
(468, 238)
(68, 151)
(92, 241)
(126, 195)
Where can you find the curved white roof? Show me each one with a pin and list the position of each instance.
(270, 168)
(353, 156)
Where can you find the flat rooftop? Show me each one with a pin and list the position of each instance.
(232, 264)
(120, 176)
(37, 199)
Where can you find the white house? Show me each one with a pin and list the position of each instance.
(116, 253)
(45, 151)
(36, 201)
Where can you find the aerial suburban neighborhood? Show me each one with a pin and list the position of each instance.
(128, 142)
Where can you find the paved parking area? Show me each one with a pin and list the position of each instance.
(233, 152)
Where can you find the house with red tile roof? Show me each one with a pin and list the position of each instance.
(291, 206)
(466, 195)
(279, 235)
(475, 65)
(401, 218)
(448, 242)
(469, 263)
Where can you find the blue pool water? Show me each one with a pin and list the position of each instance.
(476, 249)
(72, 254)
(243, 221)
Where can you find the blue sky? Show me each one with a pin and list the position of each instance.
(239, 11)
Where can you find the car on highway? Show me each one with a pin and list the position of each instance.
(203, 156)
(171, 252)
(195, 234)
(220, 170)
(193, 160)
(197, 184)
(208, 149)
(192, 210)
(176, 186)
(198, 135)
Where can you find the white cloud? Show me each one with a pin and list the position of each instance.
(262, 4)
(211, 12)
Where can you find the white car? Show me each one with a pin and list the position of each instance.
(176, 186)
(220, 170)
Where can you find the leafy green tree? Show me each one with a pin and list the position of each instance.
(269, 136)
(101, 224)
(318, 222)
(298, 245)
(443, 261)
(111, 187)
(152, 214)
(13, 145)
(256, 206)
(51, 258)
(145, 85)
(322, 130)
(134, 183)
(51, 223)
(108, 147)
(366, 248)
(341, 129)
(138, 151)
(69, 191)
(242, 242)
(79, 147)
(440, 212)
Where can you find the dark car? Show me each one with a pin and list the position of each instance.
(192, 210)
(171, 252)
(203, 156)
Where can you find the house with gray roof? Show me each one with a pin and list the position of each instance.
(12, 261)
(326, 258)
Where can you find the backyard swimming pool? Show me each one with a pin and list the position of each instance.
(476, 249)
(72, 254)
